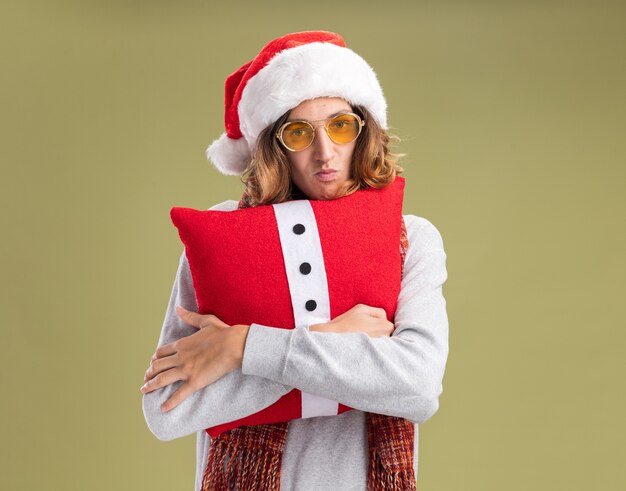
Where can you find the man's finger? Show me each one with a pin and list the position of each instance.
(162, 379)
(377, 312)
(192, 318)
(163, 351)
(184, 391)
(160, 365)
(199, 321)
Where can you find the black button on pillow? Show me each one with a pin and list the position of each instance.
(298, 229)
(305, 268)
(311, 305)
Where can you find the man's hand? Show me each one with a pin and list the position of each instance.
(360, 318)
(200, 359)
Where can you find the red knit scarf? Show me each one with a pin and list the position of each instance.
(249, 458)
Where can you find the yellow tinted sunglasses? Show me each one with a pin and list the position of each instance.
(299, 135)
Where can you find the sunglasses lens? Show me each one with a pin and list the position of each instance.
(344, 128)
(297, 136)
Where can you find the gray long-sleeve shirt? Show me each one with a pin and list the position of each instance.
(399, 375)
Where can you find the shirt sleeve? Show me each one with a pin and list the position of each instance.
(232, 397)
(400, 375)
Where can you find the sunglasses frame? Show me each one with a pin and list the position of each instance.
(279, 133)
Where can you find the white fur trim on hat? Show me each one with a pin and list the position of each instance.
(307, 72)
(231, 157)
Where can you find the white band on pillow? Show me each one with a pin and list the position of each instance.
(308, 285)
(301, 246)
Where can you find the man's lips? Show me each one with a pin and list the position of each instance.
(326, 174)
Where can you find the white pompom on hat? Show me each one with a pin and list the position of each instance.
(287, 71)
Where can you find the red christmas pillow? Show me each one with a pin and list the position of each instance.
(292, 265)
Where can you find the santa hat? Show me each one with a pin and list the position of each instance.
(287, 71)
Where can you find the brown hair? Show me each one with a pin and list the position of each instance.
(268, 177)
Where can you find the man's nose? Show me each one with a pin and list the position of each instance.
(323, 145)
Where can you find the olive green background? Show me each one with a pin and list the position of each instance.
(512, 116)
